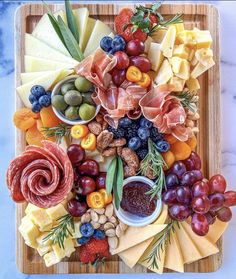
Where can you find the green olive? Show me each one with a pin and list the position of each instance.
(66, 87)
(83, 85)
(58, 102)
(72, 113)
(73, 98)
(86, 111)
(87, 98)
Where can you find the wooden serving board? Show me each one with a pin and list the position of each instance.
(209, 147)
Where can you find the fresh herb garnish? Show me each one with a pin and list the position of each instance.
(188, 100)
(159, 244)
(71, 21)
(59, 131)
(63, 230)
(164, 24)
(153, 164)
(114, 180)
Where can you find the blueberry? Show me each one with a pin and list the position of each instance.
(163, 146)
(32, 99)
(83, 240)
(134, 143)
(86, 229)
(36, 107)
(145, 123)
(118, 43)
(49, 92)
(99, 234)
(45, 100)
(37, 91)
(105, 43)
(143, 133)
(125, 122)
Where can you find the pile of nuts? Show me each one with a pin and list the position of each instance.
(105, 219)
(191, 121)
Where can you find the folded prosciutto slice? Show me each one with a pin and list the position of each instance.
(165, 111)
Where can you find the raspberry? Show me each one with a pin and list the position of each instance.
(96, 246)
(85, 256)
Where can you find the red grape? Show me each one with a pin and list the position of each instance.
(193, 162)
(76, 208)
(171, 181)
(80, 198)
(201, 204)
(183, 195)
(141, 62)
(101, 181)
(210, 218)
(76, 154)
(200, 188)
(179, 212)
(178, 168)
(135, 47)
(224, 214)
(89, 167)
(217, 184)
(169, 197)
(216, 200)
(191, 177)
(230, 198)
(87, 184)
(122, 60)
(118, 76)
(199, 224)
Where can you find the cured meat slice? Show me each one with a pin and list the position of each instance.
(42, 176)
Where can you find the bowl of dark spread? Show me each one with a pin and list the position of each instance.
(136, 208)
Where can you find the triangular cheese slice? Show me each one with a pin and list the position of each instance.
(37, 48)
(28, 77)
(163, 216)
(188, 248)
(89, 29)
(45, 32)
(81, 16)
(216, 230)
(205, 247)
(46, 81)
(174, 258)
(35, 64)
(136, 235)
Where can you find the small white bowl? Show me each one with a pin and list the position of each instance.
(134, 220)
(59, 114)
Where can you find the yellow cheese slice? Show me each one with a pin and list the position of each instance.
(41, 219)
(174, 258)
(59, 252)
(76, 233)
(99, 31)
(88, 31)
(200, 69)
(37, 48)
(216, 230)
(163, 216)
(81, 16)
(167, 44)
(178, 83)
(45, 32)
(165, 73)
(136, 235)
(189, 250)
(193, 84)
(147, 44)
(205, 247)
(155, 56)
(28, 77)
(159, 35)
(56, 212)
(184, 71)
(181, 51)
(35, 64)
(29, 232)
(42, 250)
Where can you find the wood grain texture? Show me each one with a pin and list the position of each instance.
(209, 145)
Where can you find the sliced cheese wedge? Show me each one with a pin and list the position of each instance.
(46, 81)
(147, 44)
(193, 84)
(216, 231)
(200, 68)
(28, 77)
(174, 258)
(159, 35)
(88, 31)
(205, 247)
(81, 16)
(189, 249)
(37, 48)
(99, 31)
(184, 70)
(45, 32)
(136, 235)
(35, 64)
(168, 42)
(155, 56)
(165, 73)
(163, 216)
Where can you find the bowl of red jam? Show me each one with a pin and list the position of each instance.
(137, 209)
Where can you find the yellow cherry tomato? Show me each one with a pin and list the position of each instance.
(107, 199)
(89, 142)
(79, 131)
(133, 74)
(145, 80)
(95, 200)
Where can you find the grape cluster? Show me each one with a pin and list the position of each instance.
(189, 194)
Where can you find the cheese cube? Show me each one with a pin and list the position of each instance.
(191, 54)
(179, 27)
(203, 39)
(204, 55)
(184, 71)
(50, 259)
(42, 250)
(30, 207)
(147, 44)
(29, 231)
(40, 218)
(155, 56)
(165, 73)
(194, 61)
(167, 45)
(59, 252)
(200, 69)
(41, 242)
(56, 212)
(159, 35)
(77, 233)
(175, 62)
(178, 83)
(76, 244)
(69, 247)
(187, 37)
(181, 51)
(192, 84)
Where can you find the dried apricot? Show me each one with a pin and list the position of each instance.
(40, 128)
(33, 136)
(192, 142)
(180, 150)
(24, 119)
(48, 117)
(170, 138)
(169, 158)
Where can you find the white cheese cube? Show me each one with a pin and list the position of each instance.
(29, 231)
(59, 252)
(56, 212)
(40, 218)
(30, 207)
(42, 250)
(41, 242)
(178, 84)
(50, 259)
(204, 55)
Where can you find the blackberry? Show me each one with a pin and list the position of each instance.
(130, 133)
(155, 135)
(142, 153)
(144, 144)
(118, 133)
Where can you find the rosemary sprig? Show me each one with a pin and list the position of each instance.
(153, 163)
(59, 233)
(159, 243)
(59, 131)
(164, 24)
(188, 100)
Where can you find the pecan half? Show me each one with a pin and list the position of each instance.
(104, 140)
(130, 158)
(95, 128)
(110, 151)
(118, 142)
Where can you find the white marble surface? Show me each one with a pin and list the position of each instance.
(8, 267)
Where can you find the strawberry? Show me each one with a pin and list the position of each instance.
(122, 20)
(139, 34)
(86, 256)
(153, 19)
(96, 246)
